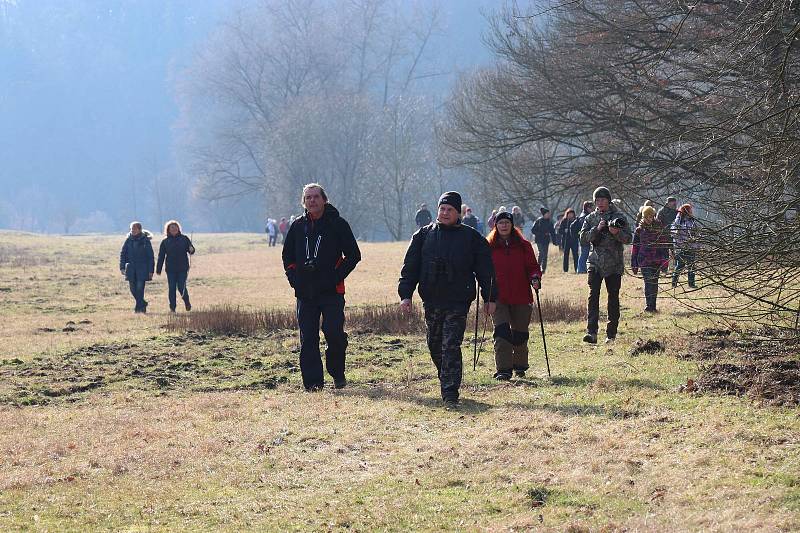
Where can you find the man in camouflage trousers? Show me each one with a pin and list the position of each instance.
(607, 231)
(442, 262)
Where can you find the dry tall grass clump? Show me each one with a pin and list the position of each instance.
(385, 318)
(561, 309)
(229, 320)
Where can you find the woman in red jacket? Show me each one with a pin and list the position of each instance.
(517, 270)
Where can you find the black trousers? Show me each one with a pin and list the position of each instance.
(650, 275)
(574, 249)
(613, 285)
(543, 249)
(331, 308)
(176, 283)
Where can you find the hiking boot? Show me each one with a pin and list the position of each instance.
(171, 309)
(315, 388)
(340, 383)
(520, 373)
(188, 306)
(649, 309)
(610, 340)
(591, 338)
(502, 376)
(450, 403)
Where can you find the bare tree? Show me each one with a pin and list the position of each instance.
(700, 100)
(294, 91)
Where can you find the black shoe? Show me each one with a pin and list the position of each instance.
(340, 383)
(692, 286)
(502, 376)
(315, 388)
(591, 338)
(649, 309)
(188, 306)
(171, 309)
(520, 373)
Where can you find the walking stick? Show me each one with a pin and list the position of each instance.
(185, 283)
(544, 340)
(475, 337)
(478, 351)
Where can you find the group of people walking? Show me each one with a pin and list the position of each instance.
(273, 228)
(137, 263)
(448, 263)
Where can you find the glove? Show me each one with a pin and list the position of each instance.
(536, 283)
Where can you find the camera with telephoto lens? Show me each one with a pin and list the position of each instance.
(618, 223)
(310, 265)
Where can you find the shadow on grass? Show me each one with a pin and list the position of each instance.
(380, 392)
(642, 384)
(587, 381)
(578, 409)
(572, 381)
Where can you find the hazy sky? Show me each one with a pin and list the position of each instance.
(87, 90)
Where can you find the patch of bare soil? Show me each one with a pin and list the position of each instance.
(760, 365)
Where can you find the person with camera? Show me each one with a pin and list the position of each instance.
(606, 230)
(319, 253)
(442, 262)
(137, 262)
(516, 270)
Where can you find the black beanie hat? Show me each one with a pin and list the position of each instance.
(504, 215)
(452, 199)
(601, 192)
(543, 210)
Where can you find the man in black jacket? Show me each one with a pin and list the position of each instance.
(319, 253)
(423, 216)
(442, 263)
(544, 233)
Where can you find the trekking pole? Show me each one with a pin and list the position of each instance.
(475, 337)
(544, 340)
(185, 283)
(483, 333)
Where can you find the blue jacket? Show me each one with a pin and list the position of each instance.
(136, 257)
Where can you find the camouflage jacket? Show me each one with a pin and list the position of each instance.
(605, 256)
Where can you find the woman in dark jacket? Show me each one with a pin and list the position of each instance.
(650, 253)
(517, 270)
(136, 263)
(175, 249)
(569, 239)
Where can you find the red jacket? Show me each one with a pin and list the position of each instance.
(515, 266)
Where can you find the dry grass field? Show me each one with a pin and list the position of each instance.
(112, 422)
